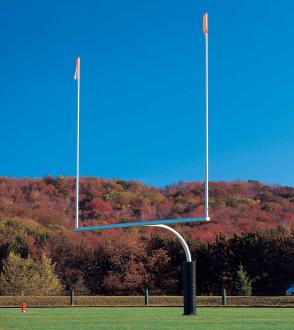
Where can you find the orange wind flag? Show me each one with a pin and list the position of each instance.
(77, 72)
(205, 23)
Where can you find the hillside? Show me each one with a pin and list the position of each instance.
(252, 225)
(235, 207)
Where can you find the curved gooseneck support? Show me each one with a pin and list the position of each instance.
(180, 238)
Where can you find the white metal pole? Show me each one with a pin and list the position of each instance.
(78, 145)
(180, 238)
(206, 122)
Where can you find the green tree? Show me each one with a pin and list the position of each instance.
(46, 279)
(243, 284)
(29, 277)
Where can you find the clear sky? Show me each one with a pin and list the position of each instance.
(142, 89)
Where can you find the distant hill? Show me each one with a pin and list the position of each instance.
(252, 225)
(236, 207)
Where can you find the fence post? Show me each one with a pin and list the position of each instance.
(72, 297)
(146, 297)
(224, 297)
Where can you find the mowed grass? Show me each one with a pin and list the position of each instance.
(146, 318)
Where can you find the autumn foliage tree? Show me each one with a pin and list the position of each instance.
(29, 277)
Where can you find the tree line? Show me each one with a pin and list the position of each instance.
(125, 261)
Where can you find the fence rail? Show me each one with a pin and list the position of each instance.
(47, 301)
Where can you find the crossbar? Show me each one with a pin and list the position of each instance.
(143, 223)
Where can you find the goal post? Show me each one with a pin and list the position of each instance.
(189, 266)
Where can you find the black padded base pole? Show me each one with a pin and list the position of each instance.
(189, 288)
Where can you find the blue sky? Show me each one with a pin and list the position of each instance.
(142, 89)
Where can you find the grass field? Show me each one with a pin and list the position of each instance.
(146, 318)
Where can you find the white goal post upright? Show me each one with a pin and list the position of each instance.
(77, 77)
(205, 31)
